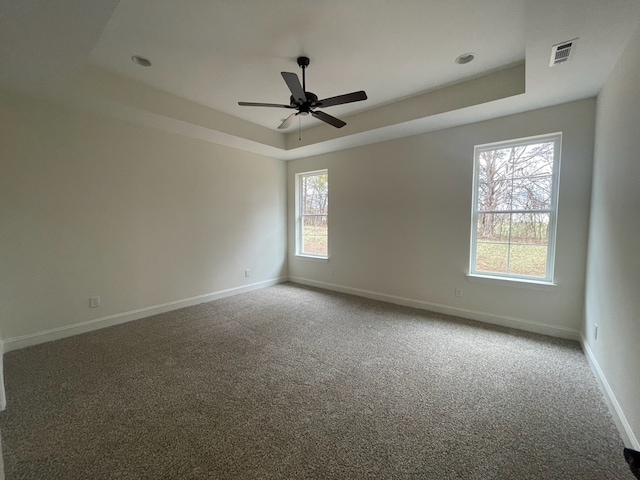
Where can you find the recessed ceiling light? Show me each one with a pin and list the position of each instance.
(465, 58)
(138, 60)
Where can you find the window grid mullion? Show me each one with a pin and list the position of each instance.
(515, 211)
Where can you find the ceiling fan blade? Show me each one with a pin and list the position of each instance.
(336, 122)
(257, 104)
(293, 82)
(288, 121)
(341, 99)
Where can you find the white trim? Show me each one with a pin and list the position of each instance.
(512, 282)
(517, 141)
(502, 320)
(23, 341)
(298, 212)
(311, 257)
(3, 398)
(618, 415)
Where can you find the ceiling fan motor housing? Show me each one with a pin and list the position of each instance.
(312, 101)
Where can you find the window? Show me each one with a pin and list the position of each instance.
(515, 208)
(312, 201)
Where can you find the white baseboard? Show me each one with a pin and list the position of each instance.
(23, 341)
(618, 415)
(504, 321)
(3, 398)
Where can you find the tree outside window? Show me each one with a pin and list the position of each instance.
(515, 205)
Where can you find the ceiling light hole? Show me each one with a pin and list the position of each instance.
(465, 58)
(138, 60)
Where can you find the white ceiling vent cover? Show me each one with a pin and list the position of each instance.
(562, 52)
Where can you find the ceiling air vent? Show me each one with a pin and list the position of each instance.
(562, 52)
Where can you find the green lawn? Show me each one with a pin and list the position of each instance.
(314, 240)
(530, 260)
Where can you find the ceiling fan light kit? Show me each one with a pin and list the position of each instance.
(305, 102)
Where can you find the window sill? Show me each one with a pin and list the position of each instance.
(513, 282)
(312, 257)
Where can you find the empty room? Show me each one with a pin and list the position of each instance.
(358, 239)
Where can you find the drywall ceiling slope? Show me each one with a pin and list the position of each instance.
(123, 91)
(495, 86)
(130, 100)
(45, 45)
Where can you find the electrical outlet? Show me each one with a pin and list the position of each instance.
(459, 292)
(94, 302)
(247, 272)
(595, 331)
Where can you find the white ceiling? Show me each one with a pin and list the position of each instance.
(219, 53)
(208, 55)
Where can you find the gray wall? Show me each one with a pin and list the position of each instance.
(91, 205)
(400, 217)
(613, 272)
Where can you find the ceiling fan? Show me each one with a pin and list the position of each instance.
(304, 102)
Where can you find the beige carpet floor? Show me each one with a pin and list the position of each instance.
(294, 382)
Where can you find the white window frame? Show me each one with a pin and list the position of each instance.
(556, 138)
(300, 215)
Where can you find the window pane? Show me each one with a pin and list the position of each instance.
(533, 160)
(308, 244)
(314, 245)
(492, 257)
(493, 165)
(513, 243)
(530, 260)
(314, 235)
(315, 194)
(530, 228)
(492, 251)
(309, 224)
(493, 227)
(532, 193)
(315, 204)
(495, 195)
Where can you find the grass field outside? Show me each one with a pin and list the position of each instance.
(528, 260)
(315, 240)
(513, 243)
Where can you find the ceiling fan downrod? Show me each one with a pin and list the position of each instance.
(303, 63)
